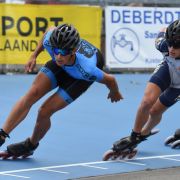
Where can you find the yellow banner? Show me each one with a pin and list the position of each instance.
(22, 26)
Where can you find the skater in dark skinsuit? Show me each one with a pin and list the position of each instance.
(75, 65)
(162, 91)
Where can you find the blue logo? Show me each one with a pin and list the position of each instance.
(125, 45)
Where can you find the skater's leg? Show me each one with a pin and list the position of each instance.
(39, 88)
(158, 83)
(165, 101)
(154, 118)
(69, 91)
(27, 147)
(43, 123)
(57, 101)
(151, 95)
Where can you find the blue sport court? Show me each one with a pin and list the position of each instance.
(81, 133)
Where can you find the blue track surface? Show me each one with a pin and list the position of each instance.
(81, 133)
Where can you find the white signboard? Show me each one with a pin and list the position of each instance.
(131, 33)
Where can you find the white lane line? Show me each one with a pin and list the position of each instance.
(130, 162)
(50, 170)
(25, 177)
(88, 163)
(97, 167)
(171, 159)
(157, 157)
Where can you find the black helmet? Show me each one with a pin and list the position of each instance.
(173, 32)
(65, 36)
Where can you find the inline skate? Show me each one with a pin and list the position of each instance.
(125, 148)
(3, 136)
(22, 149)
(174, 140)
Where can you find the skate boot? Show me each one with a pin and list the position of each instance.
(173, 141)
(125, 148)
(16, 150)
(3, 136)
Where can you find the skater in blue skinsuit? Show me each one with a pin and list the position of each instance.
(162, 92)
(74, 66)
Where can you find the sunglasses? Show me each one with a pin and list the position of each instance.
(174, 44)
(63, 52)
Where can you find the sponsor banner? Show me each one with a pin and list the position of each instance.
(131, 33)
(22, 26)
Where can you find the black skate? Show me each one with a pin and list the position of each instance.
(125, 148)
(19, 150)
(3, 136)
(174, 140)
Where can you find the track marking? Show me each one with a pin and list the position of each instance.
(129, 161)
(25, 177)
(157, 157)
(94, 166)
(88, 163)
(55, 171)
(171, 159)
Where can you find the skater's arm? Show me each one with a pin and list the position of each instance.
(112, 85)
(160, 42)
(30, 65)
(32, 60)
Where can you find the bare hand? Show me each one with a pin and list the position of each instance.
(115, 96)
(30, 65)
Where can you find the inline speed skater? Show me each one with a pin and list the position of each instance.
(162, 92)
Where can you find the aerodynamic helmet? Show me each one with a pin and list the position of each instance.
(65, 36)
(173, 32)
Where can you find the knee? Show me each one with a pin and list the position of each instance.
(44, 113)
(154, 112)
(146, 104)
(34, 92)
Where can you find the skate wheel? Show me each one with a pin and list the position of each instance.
(169, 140)
(26, 155)
(109, 155)
(4, 155)
(132, 154)
(122, 155)
(128, 154)
(175, 144)
(15, 157)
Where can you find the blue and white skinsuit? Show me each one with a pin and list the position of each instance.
(74, 79)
